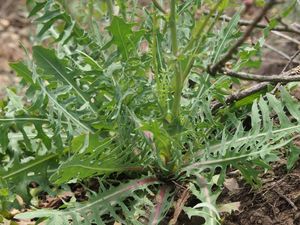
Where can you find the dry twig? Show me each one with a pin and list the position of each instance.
(214, 68)
(290, 76)
(240, 94)
(285, 68)
(281, 53)
(291, 61)
(285, 28)
(291, 203)
(249, 91)
(286, 37)
(179, 205)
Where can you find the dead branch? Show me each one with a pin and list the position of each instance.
(240, 95)
(285, 68)
(251, 90)
(214, 68)
(286, 37)
(285, 28)
(281, 53)
(284, 77)
(291, 203)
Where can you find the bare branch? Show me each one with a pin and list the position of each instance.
(292, 27)
(214, 68)
(280, 62)
(249, 91)
(281, 53)
(286, 37)
(240, 94)
(285, 68)
(285, 77)
(179, 205)
(285, 28)
(290, 61)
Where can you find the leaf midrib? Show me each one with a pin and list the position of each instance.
(67, 80)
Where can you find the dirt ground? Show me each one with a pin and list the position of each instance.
(277, 202)
(14, 30)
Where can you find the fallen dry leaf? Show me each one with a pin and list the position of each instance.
(229, 207)
(231, 184)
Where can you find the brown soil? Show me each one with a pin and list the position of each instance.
(276, 202)
(14, 29)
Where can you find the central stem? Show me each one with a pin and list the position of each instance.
(177, 70)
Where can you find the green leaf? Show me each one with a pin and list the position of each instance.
(291, 6)
(15, 100)
(257, 146)
(33, 166)
(96, 208)
(22, 70)
(226, 36)
(96, 109)
(48, 16)
(32, 171)
(47, 60)
(247, 100)
(123, 36)
(70, 115)
(206, 208)
(38, 7)
(23, 124)
(92, 157)
(293, 156)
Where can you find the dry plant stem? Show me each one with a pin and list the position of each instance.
(277, 51)
(290, 61)
(285, 68)
(297, 31)
(256, 77)
(214, 68)
(240, 94)
(286, 37)
(260, 25)
(256, 88)
(287, 199)
(277, 61)
(179, 205)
